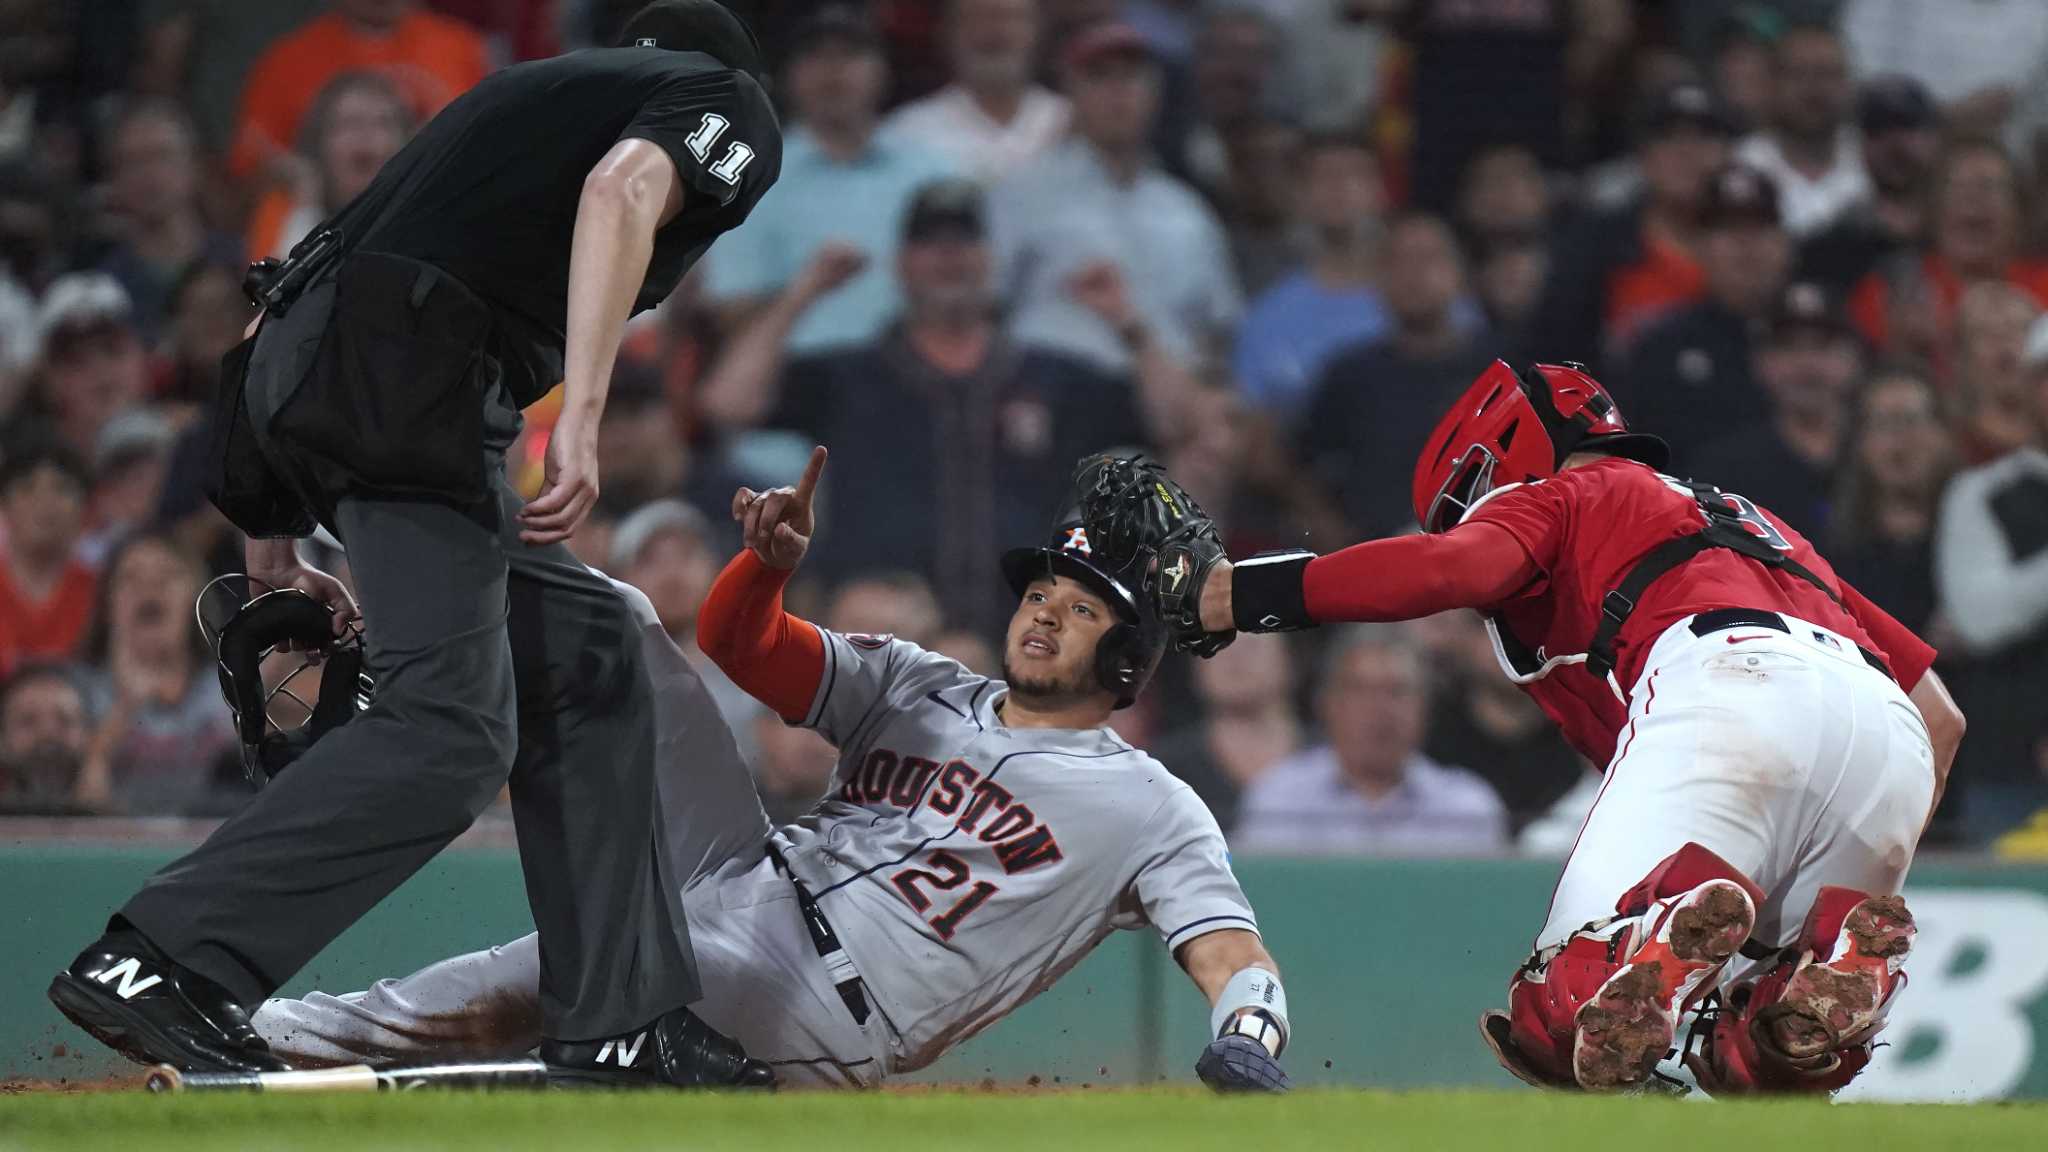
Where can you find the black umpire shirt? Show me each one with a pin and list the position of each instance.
(488, 189)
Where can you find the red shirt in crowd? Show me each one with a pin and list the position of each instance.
(46, 629)
(1870, 301)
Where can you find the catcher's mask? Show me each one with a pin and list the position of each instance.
(1129, 651)
(1512, 428)
(275, 722)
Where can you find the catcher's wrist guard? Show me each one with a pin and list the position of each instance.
(1266, 593)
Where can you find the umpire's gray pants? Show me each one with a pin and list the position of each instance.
(493, 661)
(764, 983)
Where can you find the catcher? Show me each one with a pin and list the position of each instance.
(980, 838)
(1774, 742)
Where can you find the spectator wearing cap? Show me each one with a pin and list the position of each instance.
(1982, 59)
(843, 184)
(994, 117)
(1900, 457)
(1369, 787)
(128, 466)
(1617, 269)
(46, 591)
(667, 550)
(1900, 132)
(1689, 377)
(153, 191)
(1374, 403)
(957, 436)
(1100, 198)
(93, 366)
(1807, 146)
(1808, 364)
(1991, 579)
(43, 735)
(432, 58)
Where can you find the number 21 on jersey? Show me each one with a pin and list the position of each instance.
(737, 155)
(946, 873)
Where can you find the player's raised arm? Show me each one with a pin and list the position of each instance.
(777, 658)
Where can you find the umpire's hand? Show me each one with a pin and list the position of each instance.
(777, 524)
(570, 487)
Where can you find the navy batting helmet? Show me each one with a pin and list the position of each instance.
(1129, 652)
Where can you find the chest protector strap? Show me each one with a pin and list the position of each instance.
(1725, 529)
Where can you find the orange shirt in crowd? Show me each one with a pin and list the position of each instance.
(49, 629)
(1666, 277)
(431, 58)
(1870, 301)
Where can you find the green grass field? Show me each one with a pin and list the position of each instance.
(1068, 1121)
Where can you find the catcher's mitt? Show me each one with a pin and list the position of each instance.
(1139, 519)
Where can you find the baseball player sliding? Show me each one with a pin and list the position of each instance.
(979, 838)
(1774, 742)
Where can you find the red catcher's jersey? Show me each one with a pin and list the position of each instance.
(1587, 527)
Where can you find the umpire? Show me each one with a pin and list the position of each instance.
(501, 251)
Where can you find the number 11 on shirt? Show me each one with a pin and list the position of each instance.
(706, 136)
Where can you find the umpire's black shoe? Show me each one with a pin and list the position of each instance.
(676, 1051)
(136, 1001)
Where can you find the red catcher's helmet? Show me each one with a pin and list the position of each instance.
(1511, 428)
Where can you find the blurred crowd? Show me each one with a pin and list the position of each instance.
(1263, 240)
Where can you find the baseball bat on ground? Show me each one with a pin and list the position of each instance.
(355, 1078)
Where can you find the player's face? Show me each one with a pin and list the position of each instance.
(1050, 649)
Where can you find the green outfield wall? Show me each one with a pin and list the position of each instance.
(1388, 964)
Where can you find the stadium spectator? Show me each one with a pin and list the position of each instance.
(994, 117)
(898, 604)
(1900, 131)
(162, 732)
(1689, 376)
(1100, 197)
(1910, 310)
(1361, 430)
(1235, 89)
(1995, 405)
(1616, 269)
(1982, 59)
(1991, 578)
(357, 122)
(1262, 181)
(1482, 719)
(1333, 300)
(514, 30)
(1369, 788)
(1483, 73)
(93, 365)
(46, 591)
(1504, 210)
(128, 467)
(943, 414)
(43, 733)
(1248, 723)
(1807, 146)
(842, 183)
(207, 315)
(431, 58)
(971, 649)
(1742, 64)
(792, 766)
(1808, 363)
(153, 191)
(1900, 458)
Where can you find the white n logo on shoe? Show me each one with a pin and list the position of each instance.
(126, 972)
(619, 1053)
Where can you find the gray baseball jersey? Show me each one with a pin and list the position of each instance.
(966, 865)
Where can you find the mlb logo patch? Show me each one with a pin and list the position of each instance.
(1828, 640)
(645, 42)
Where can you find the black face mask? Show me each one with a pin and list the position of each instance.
(242, 632)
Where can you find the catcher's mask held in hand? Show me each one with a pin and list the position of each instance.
(275, 722)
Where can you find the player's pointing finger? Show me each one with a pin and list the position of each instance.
(812, 470)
